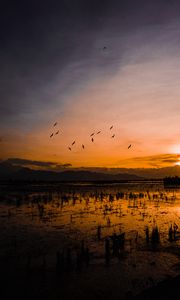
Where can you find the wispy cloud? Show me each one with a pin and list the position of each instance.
(159, 161)
(37, 164)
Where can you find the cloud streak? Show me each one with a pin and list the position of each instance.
(157, 161)
(37, 164)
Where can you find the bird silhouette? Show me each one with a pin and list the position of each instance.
(111, 127)
(51, 135)
(73, 143)
(92, 140)
(104, 48)
(98, 132)
(113, 135)
(57, 132)
(129, 146)
(69, 148)
(55, 124)
(92, 134)
(82, 146)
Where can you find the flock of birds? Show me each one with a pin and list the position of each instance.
(91, 136)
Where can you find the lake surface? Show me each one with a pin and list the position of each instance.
(99, 238)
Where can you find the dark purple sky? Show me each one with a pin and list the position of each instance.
(39, 39)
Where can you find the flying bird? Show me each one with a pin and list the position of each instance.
(98, 132)
(51, 135)
(104, 48)
(55, 124)
(113, 135)
(92, 134)
(73, 143)
(111, 127)
(57, 132)
(82, 146)
(129, 146)
(69, 148)
(92, 140)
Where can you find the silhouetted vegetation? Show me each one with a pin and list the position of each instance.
(68, 232)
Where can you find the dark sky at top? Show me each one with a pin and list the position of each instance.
(45, 40)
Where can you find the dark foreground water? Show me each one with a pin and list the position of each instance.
(89, 241)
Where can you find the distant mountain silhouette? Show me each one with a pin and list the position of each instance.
(10, 172)
(149, 173)
(7, 169)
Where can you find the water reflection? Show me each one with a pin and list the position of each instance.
(76, 228)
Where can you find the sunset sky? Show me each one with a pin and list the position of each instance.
(54, 68)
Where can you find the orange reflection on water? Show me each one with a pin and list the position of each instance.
(40, 222)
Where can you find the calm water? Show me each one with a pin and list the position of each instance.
(39, 221)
